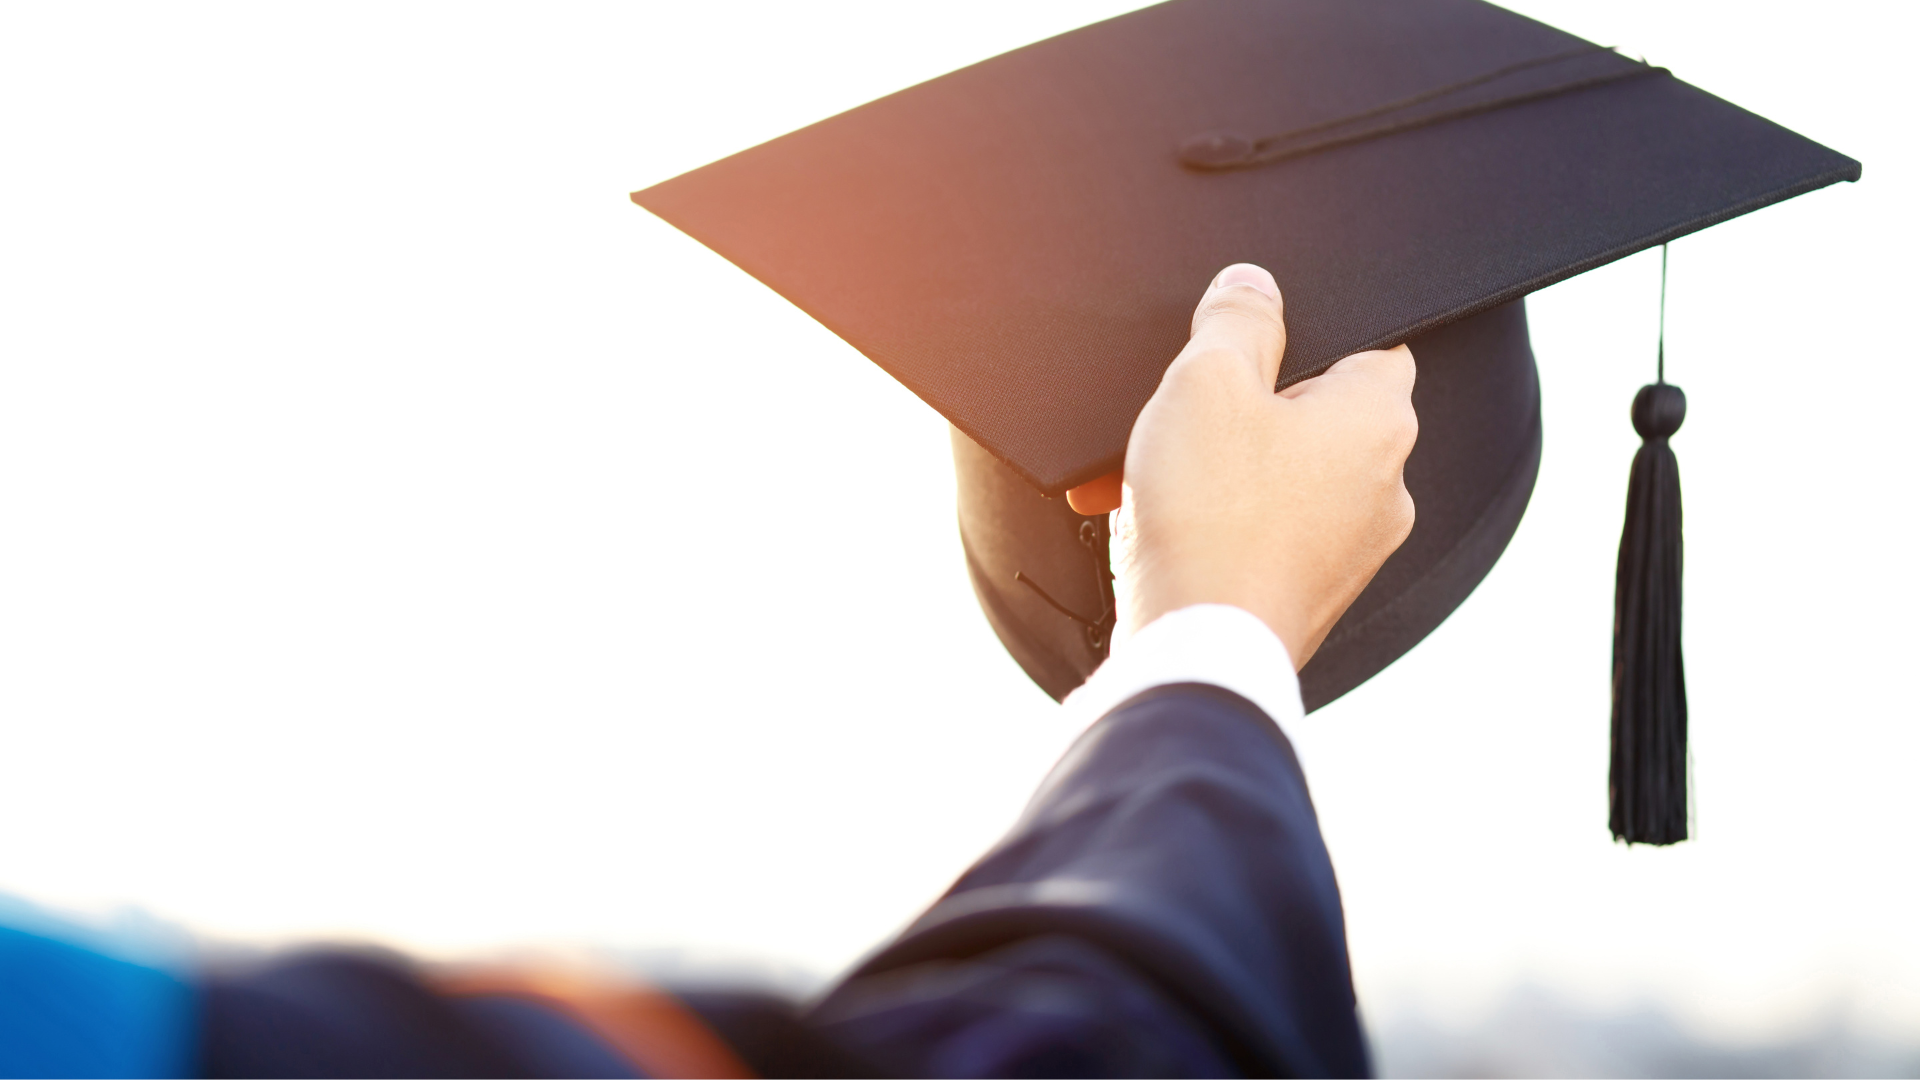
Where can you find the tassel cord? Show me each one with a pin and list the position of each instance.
(1660, 350)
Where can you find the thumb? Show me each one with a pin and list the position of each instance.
(1241, 314)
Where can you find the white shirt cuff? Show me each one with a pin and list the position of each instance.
(1216, 644)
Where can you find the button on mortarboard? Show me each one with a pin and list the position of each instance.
(1216, 150)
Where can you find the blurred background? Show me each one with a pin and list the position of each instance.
(404, 537)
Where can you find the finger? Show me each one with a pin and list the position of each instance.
(1374, 389)
(1096, 496)
(1241, 315)
(1386, 372)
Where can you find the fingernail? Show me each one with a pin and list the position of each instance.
(1248, 274)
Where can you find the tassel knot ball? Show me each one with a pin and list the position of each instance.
(1658, 410)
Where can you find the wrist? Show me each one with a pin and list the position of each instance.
(1215, 644)
(1151, 597)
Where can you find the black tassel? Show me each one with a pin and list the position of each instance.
(1647, 786)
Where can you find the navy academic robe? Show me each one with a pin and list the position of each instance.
(1165, 907)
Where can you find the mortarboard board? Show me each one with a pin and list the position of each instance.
(1020, 243)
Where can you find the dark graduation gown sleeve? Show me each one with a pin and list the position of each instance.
(1164, 907)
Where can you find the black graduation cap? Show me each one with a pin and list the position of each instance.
(1021, 243)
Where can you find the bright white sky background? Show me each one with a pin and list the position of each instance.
(403, 536)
